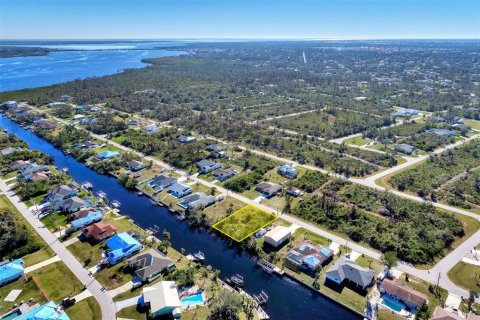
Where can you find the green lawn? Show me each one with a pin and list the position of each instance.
(132, 312)
(57, 281)
(475, 124)
(223, 208)
(358, 141)
(244, 222)
(87, 309)
(54, 221)
(38, 256)
(10, 175)
(466, 275)
(87, 254)
(29, 291)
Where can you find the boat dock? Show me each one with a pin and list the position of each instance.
(269, 267)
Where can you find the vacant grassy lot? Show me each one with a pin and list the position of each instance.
(29, 291)
(50, 277)
(466, 276)
(87, 309)
(358, 141)
(243, 223)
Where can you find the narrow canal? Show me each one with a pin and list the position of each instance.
(288, 299)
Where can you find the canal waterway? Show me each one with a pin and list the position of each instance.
(287, 299)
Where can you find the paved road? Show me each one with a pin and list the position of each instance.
(428, 275)
(104, 300)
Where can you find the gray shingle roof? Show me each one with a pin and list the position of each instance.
(345, 268)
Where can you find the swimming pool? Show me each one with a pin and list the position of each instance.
(192, 300)
(12, 315)
(392, 304)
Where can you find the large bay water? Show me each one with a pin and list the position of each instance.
(83, 60)
(288, 299)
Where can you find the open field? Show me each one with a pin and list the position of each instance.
(466, 276)
(245, 222)
(87, 309)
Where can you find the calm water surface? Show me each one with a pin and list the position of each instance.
(288, 300)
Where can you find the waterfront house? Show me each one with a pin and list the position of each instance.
(179, 190)
(197, 200)
(186, 139)
(150, 264)
(223, 174)
(19, 164)
(27, 171)
(443, 133)
(8, 150)
(86, 145)
(161, 181)
(61, 193)
(11, 271)
(47, 124)
(405, 148)
(98, 231)
(277, 236)
(49, 311)
(162, 299)
(83, 213)
(39, 176)
(9, 104)
(268, 189)
(106, 155)
(86, 221)
(288, 171)
(401, 292)
(69, 205)
(345, 270)
(121, 246)
(206, 166)
(135, 165)
(308, 257)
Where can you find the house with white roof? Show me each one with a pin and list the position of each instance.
(277, 236)
(162, 299)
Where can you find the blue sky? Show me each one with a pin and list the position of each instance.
(162, 19)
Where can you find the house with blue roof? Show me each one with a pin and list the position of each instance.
(443, 133)
(179, 190)
(48, 311)
(105, 155)
(288, 171)
(308, 257)
(11, 271)
(122, 245)
(85, 221)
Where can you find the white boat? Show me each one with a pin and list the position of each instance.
(87, 186)
(101, 194)
(199, 256)
(65, 170)
(116, 204)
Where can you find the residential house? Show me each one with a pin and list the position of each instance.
(288, 171)
(61, 193)
(84, 212)
(461, 127)
(186, 139)
(345, 270)
(401, 292)
(56, 104)
(206, 166)
(133, 122)
(223, 174)
(216, 147)
(47, 124)
(65, 98)
(277, 236)
(31, 169)
(135, 165)
(197, 200)
(49, 311)
(87, 120)
(220, 154)
(70, 205)
(86, 145)
(122, 245)
(86, 221)
(443, 132)
(95, 109)
(39, 176)
(405, 148)
(294, 191)
(78, 117)
(161, 181)
(150, 264)
(11, 271)
(99, 231)
(268, 189)
(105, 155)
(81, 107)
(441, 314)
(440, 119)
(9, 104)
(162, 299)
(152, 128)
(8, 150)
(308, 257)
(179, 190)
(19, 165)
